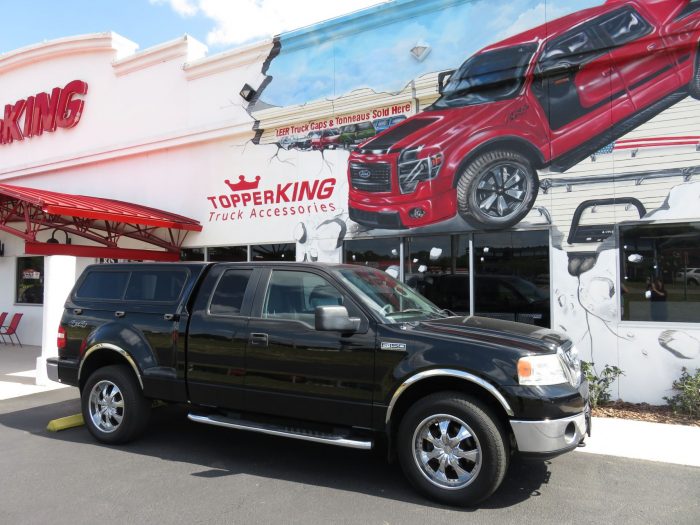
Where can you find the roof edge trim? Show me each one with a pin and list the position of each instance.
(239, 57)
(185, 46)
(89, 43)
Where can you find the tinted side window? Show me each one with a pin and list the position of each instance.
(295, 296)
(625, 27)
(155, 285)
(572, 49)
(229, 293)
(103, 285)
(693, 6)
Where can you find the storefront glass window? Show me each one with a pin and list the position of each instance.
(227, 254)
(438, 268)
(273, 252)
(30, 280)
(512, 276)
(192, 254)
(383, 254)
(660, 272)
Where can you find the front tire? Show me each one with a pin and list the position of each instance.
(453, 449)
(114, 409)
(497, 189)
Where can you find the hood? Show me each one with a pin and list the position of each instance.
(434, 127)
(527, 337)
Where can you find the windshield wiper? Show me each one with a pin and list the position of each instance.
(408, 311)
(418, 311)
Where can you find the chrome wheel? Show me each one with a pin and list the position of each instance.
(106, 406)
(502, 190)
(447, 451)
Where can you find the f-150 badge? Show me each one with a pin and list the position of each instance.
(393, 346)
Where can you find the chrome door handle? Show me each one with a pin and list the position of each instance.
(119, 314)
(258, 339)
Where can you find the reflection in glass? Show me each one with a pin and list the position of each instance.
(660, 269)
(192, 254)
(375, 253)
(273, 252)
(228, 253)
(512, 276)
(30, 280)
(438, 268)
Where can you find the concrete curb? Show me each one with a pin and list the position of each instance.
(678, 444)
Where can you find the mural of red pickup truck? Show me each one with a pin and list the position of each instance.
(547, 97)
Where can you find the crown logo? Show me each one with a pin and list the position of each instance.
(242, 184)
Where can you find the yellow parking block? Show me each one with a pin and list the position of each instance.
(64, 423)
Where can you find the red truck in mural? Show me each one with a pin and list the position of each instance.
(547, 97)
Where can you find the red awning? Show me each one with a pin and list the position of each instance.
(101, 221)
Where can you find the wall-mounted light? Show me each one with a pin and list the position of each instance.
(420, 50)
(247, 92)
(54, 240)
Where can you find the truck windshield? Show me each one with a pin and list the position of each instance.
(487, 77)
(391, 300)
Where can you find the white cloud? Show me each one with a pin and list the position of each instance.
(247, 20)
(183, 8)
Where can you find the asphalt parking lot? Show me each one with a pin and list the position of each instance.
(182, 472)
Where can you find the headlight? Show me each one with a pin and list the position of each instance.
(541, 370)
(551, 369)
(416, 165)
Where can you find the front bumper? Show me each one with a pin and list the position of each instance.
(550, 437)
(390, 212)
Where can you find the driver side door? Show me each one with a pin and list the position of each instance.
(296, 371)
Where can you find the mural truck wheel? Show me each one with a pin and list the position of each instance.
(694, 86)
(497, 189)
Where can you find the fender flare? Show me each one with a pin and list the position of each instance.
(446, 372)
(114, 348)
(522, 145)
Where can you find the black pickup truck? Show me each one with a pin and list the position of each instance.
(336, 354)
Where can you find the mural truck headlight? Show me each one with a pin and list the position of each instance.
(418, 165)
(543, 370)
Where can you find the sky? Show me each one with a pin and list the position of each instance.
(221, 24)
(377, 57)
(327, 67)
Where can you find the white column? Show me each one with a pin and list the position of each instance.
(60, 273)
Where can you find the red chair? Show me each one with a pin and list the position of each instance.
(3, 315)
(11, 329)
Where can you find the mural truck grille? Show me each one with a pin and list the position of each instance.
(370, 177)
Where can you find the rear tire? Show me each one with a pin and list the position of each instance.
(497, 189)
(114, 408)
(453, 449)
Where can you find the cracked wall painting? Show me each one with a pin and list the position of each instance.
(573, 116)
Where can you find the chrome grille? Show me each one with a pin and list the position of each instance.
(370, 177)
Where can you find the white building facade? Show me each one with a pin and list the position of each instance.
(269, 150)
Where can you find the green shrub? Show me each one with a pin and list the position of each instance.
(687, 400)
(599, 385)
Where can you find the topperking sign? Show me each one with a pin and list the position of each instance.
(252, 199)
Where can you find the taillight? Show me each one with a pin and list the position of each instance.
(61, 338)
